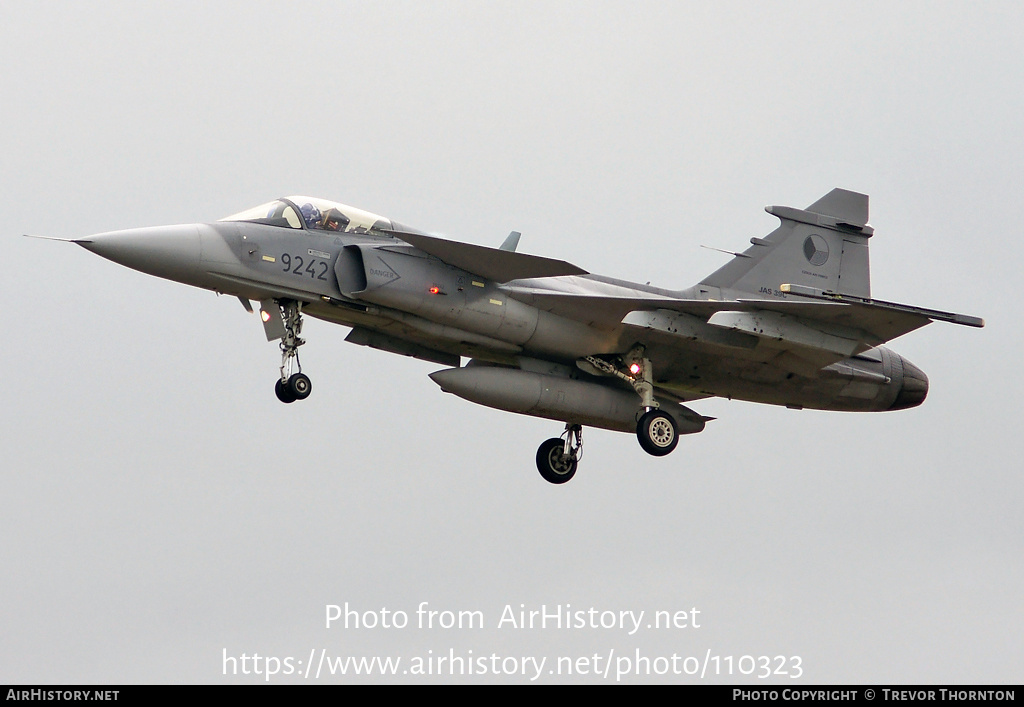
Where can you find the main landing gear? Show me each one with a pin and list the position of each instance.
(655, 430)
(656, 433)
(557, 457)
(292, 386)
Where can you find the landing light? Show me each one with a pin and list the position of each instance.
(264, 315)
(634, 368)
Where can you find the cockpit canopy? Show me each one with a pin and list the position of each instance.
(304, 212)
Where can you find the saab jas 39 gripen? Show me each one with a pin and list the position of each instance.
(789, 321)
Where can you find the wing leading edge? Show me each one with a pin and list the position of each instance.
(497, 264)
(930, 314)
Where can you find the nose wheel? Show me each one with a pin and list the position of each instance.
(296, 387)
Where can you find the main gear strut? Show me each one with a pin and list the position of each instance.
(655, 430)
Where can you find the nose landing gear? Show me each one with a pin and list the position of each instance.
(290, 386)
(296, 387)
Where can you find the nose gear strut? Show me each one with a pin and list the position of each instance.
(291, 386)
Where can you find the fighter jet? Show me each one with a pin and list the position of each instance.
(789, 321)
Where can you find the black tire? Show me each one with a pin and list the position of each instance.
(284, 393)
(552, 463)
(300, 386)
(657, 433)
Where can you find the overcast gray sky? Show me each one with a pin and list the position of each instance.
(159, 508)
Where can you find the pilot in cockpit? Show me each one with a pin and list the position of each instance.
(311, 215)
(329, 220)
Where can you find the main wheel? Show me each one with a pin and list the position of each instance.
(657, 433)
(300, 386)
(553, 464)
(284, 393)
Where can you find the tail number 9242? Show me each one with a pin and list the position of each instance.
(297, 265)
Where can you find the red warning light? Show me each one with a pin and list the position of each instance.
(435, 290)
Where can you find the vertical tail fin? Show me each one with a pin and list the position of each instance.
(824, 246)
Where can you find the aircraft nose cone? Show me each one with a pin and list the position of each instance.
(914, 389)
(165, 251)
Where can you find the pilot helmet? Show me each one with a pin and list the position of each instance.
(311, 215)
